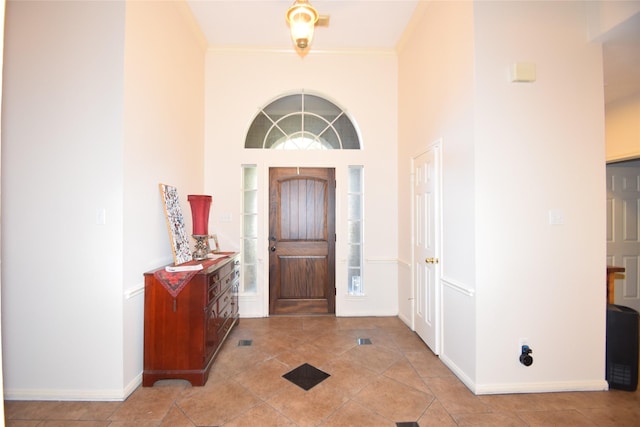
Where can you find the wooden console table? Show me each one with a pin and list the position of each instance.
(186, 321)
(611, 278)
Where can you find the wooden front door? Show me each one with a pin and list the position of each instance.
(301, 241)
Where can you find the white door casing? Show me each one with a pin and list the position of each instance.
(426, 247)
(623, 230)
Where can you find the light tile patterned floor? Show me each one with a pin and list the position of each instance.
(394, 379)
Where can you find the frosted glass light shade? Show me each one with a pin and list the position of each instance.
(302, 18)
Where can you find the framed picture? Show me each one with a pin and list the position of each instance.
(213, 243)
(175, 224)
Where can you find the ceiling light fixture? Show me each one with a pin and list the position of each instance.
(302, 18)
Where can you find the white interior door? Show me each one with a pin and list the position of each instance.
(623, 230)
(426, 251)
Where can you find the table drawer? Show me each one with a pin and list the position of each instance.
(213, 286)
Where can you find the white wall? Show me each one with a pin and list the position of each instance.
(164, 143)
(604, 19)
(623, 128)
(511, 153)
(62, 159)
(604, 16)
(539, 148)
(239, 83)
(91, 121)
(2, 9)
(436, 102)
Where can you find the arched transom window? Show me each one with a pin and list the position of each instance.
(302, 122)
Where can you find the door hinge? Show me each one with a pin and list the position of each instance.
(335, 292)
(335, 237)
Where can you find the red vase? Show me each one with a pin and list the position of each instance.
(200, 206)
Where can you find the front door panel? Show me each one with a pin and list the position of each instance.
(302, 241)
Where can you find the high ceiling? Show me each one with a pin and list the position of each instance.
(261, 24)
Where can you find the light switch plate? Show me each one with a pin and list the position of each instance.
(556, 216)
(101, 216)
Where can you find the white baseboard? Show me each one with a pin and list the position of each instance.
(542, 387)
(512, 388)
(74, 395)
(405, 320)
(132, 386)
(462, 376)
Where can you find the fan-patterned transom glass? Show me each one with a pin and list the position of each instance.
(302, 122)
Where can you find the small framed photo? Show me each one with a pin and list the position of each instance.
(213, 243)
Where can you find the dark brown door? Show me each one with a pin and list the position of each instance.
(302, 241)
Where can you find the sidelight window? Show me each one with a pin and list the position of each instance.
(355, 283)
(249, 229)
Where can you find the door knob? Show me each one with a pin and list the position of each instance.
(272, 248)
(432, 260)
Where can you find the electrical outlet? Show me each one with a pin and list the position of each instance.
(523, 341)
(525, 353)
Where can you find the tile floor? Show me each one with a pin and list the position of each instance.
(395, 380)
